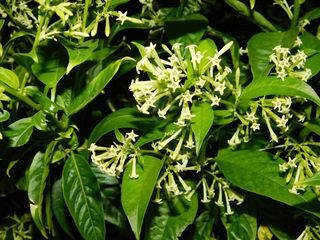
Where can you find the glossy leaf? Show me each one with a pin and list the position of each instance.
(178, 33)
(258, 172)
(93, 88)
(9, 78)
(173, 218)
(208, 48)
(4, 115)
(243, 223)
(273, 86)
(204, 226)
(50, 68)
(38, 173)
(79, 52)
(20, 132)
(260, 48)
(136, 193)
(312, 181)
(201, 122)
(82, 196)
(60, 209)
(123, 118)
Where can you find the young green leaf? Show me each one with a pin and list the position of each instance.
(273, 86)
(208, 48)
(20, 132)
(201, 122)
(9, 78)
(78, 52)
(136, 193)
(93, 88)
(258, 172)
(82, 196)
(173, 218)
(260, 47)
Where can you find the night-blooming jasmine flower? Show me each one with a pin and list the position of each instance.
(122, 16)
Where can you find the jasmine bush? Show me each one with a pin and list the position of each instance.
(190, 119)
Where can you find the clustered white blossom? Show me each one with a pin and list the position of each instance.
(289, 64)
(174, 84)
(310, 233)
(114, 159)
(302, 162)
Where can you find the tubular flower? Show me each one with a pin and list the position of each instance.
(112, 160)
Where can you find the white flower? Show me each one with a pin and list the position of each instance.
(122, 17)
(132, 136)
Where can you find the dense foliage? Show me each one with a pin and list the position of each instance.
(157, 119)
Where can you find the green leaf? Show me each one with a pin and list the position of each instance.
(173, 219)
(9, 78)
(203, 226)
(313, 64)
(78, 52)
(208, 48)
(312, 15)
(243, 223)
(60, 209)
(82, 196)
(311, 181)
(50, 68)
(123, 118)
(19, 132)
(260, 48)
(136, 193)
(93, 88)
(274, 86)
(37, 175)
(178, 32)
(258, 172)
(39, 121)
(4, 115)
(201, 122)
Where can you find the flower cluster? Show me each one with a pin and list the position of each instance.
(310, 232)
(275, 113)
(187, 76)
(302, 163)
(113, 160)
(288, 64)
(18, 227)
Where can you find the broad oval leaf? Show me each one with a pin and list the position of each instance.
(173, 219)
(19, 132)
(178, 33)
(274, 86)
(82, 196)
(201, 122)
(260, 48)
(93, 88)
(258, 172)
(136, 193)
(9, 78)
(123, 118)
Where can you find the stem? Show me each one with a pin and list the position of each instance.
(21, 97)
(296, 11)
(255, 16)
(85, 14)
